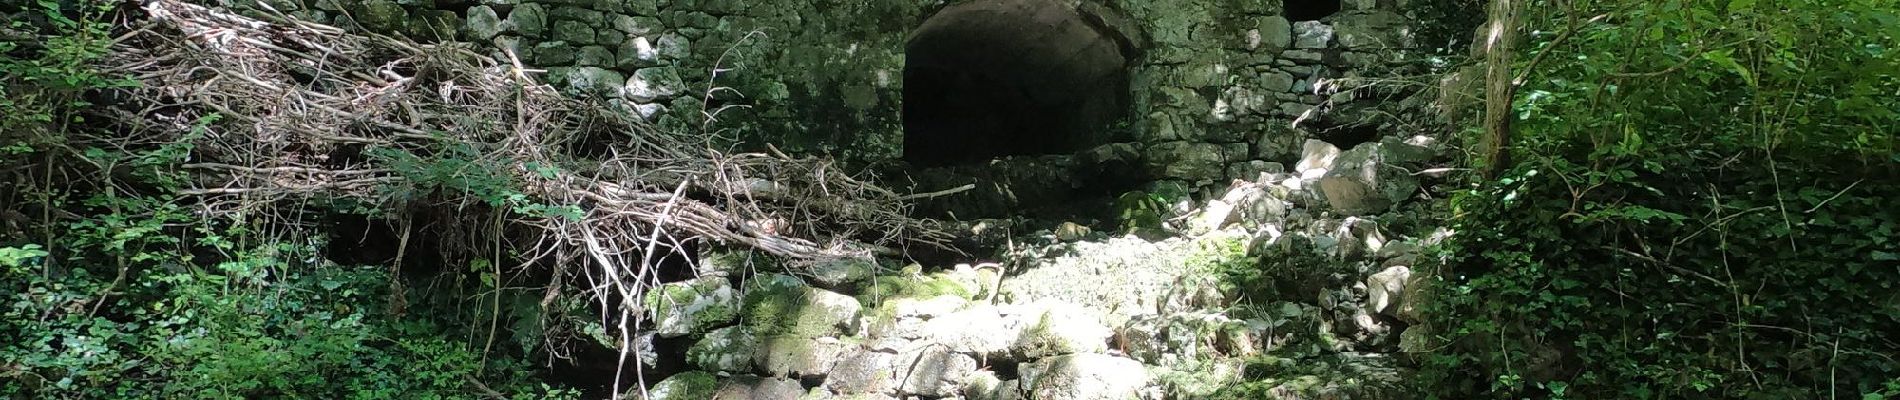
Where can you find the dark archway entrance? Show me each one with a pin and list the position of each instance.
(1310, 10)
(990, 78)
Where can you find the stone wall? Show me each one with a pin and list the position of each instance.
(1215, 87)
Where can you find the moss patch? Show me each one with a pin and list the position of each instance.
(727, 349)
(885, 288)
(778, 305)
(692, 306)
(691, 385)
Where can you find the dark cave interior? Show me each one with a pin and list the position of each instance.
(993, 78)
(1310, 10)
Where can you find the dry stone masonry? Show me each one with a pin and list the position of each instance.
(1192, 91)
(1253, 103)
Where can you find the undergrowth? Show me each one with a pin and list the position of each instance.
(113, 286)
(1703, 208)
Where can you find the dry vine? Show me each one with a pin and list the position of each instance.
(278, 111)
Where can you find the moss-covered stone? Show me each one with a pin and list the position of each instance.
(841, 272)
(799, 357)
(690, 385)
(913, 284)
(1061, 328)
(380, 15)
(726, 349)
(782, 305)
(682, 308)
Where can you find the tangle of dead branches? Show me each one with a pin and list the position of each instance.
(279, 111)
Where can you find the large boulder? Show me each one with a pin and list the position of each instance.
(1369, 178)
(1316, 158)
(980, 330)
(1057, 328)
(1385, 291)
(1084, 377)
(934, 371)
(866, 371)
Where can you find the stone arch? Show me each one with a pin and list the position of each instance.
(990, 78)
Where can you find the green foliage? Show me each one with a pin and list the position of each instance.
(1703, 209)
(130, 290)
(1140, 211)
(462, 170)
(319, 332)
(41, 83)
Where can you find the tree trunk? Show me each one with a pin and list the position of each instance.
(1499, 47)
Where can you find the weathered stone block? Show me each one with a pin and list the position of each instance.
(1385, 291)
(573, 32)
(690, 385)
(637, 25)
(1276, 33)
(595, 56)
(1276, 81)
(865, 371)
(648, 85)
(780, 305)
(728, 349)
(673, 47)
(1363, 181)
(936, 372)
(1185, 160)
(529, 20)
(799, 357)
(755, 388)
(688, 307)
(483, 23)
(1312, 35)
(383, 16)
(1084, 377)
(609, 37)
(586, 17)
(979, 330)
(586, 81)
(1372, 30)
(637, 53)
(1055, 328)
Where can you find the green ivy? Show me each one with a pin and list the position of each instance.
(1703, 208)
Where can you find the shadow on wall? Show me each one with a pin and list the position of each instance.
(990, 78)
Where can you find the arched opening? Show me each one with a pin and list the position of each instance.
(990, 78)
(1310, 10)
